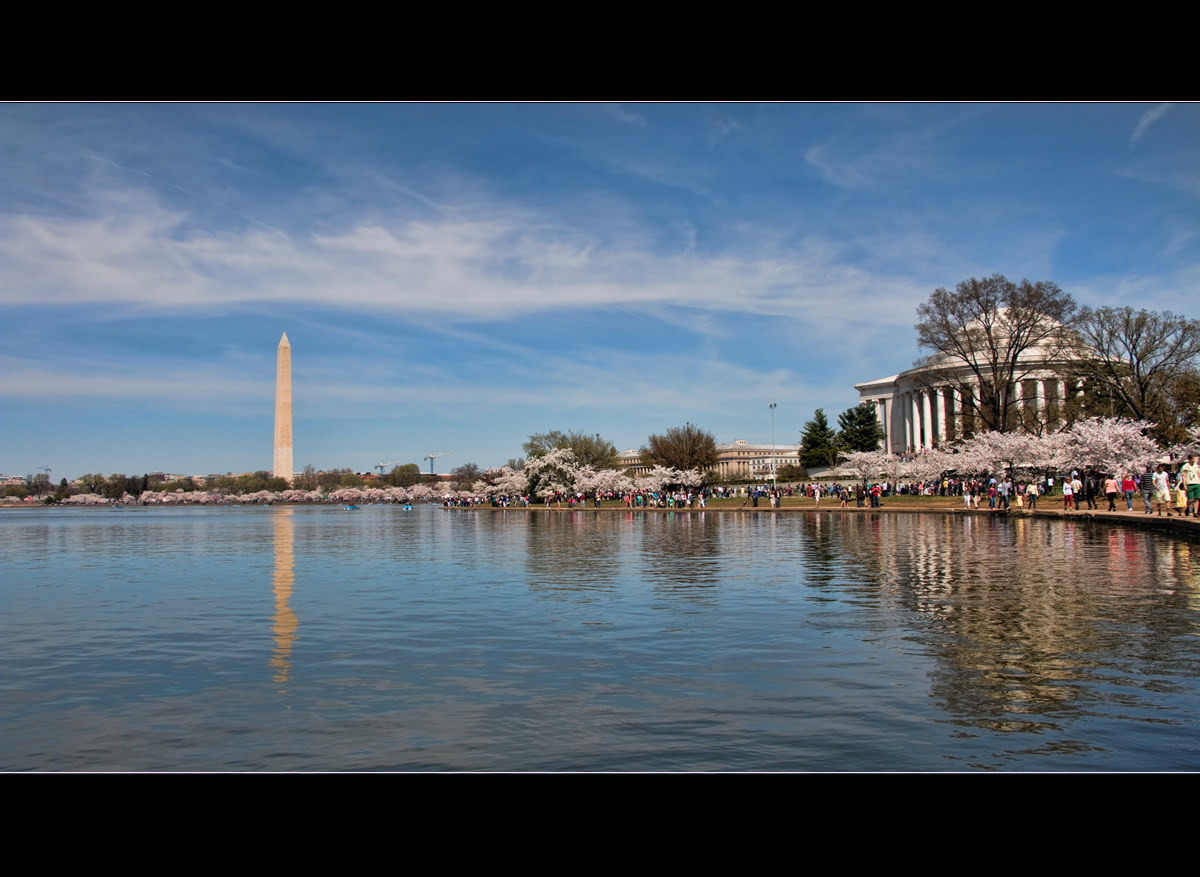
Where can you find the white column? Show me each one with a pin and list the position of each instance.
(931, 422)
(906, 419)
(889, 412)
(914, 416)
(1040, 400)
(927, 425)
(1018, 393)
(941, 415)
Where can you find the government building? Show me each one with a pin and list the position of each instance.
(924, 406)
(737, 460)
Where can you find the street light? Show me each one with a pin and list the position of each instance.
(774, 480)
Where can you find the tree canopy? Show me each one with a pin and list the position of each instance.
(859, 429)
(981, 335)
(681, 447)
(1143, 365)
(818, 442)
(403, 476)
(589, 450)
(465, 475)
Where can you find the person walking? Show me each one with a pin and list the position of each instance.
(1111, 489)
(1147, 484)
(1004, 490)
(1162, 490)
(1129, 486)
(1189, 475)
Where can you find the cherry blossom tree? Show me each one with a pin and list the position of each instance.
(553, 472)
(590, 480)
(998, 451)
(503, 482)
(657, 479)
(1191, 445)
(866, 465)
(1112, 444)
(930, 465)
(422, 493)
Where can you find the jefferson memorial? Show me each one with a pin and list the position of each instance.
(924, 406)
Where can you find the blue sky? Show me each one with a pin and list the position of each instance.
(457, 277)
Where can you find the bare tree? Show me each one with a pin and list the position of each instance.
(306, 480)
(989, 334)
(465, 475)
(1140, 364)
(681, 447)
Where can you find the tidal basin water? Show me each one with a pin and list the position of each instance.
(314, 638)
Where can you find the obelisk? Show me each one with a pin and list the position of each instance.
(283, 410)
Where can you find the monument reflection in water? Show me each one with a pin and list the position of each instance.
(315, 638)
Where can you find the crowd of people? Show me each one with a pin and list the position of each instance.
(1162, 491)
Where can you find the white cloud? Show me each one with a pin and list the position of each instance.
(205, 384)
(621, 114)
(1147, 119)
(139, 255)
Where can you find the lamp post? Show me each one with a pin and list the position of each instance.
(774, 480)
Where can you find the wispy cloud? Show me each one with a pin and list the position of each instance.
(621, 114)
(206, 384)
(1147, 119)
(850, 168)
(720, 126)
(141, 255)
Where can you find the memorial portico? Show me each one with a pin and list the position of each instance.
(917, 412)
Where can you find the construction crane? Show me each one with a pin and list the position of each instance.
(432, 456)
(382, 465)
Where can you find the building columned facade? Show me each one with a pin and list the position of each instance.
(737, 460)
(928, 406)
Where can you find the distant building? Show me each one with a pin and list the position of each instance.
(631, 463)
(737, 460)
(753, 462)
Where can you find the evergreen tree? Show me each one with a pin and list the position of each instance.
(859, 429)
(818, 442)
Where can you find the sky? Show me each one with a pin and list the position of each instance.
(457, 277)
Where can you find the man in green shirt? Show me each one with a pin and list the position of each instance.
(1190, 473)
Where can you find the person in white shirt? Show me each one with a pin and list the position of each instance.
(1162, 490)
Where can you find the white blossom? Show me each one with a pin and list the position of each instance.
(1112, 445)
(552, 472)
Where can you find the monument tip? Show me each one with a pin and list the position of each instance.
(283, 342)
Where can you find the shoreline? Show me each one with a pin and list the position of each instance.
(1176, 525)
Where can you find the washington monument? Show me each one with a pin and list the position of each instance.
(283, 410)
